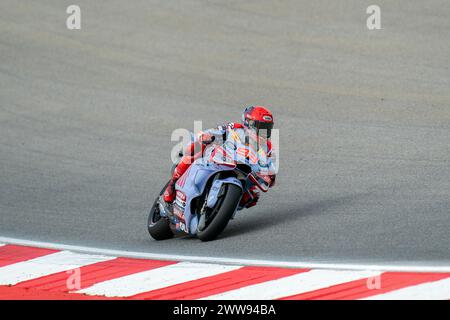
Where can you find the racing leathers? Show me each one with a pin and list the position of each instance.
(223, 133)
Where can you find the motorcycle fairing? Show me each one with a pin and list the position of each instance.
(193, 183)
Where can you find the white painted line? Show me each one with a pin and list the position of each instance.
(296, 284)
(156, 279)
(433, 266)
(46, 265)
(2, 244)
(436, 290)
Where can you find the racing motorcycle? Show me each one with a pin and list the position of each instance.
(209, 192)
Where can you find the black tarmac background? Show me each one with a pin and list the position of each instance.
(364, 116)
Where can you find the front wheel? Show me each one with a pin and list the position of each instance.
(225, 209)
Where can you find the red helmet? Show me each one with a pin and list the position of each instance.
(258, 118)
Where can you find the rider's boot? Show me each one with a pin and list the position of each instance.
(169, 193)
(192, 152)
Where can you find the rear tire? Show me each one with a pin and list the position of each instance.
(228, 205)
(158, 227)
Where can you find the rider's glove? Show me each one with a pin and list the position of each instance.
(249, 199)
(269, 179)
(206, 138)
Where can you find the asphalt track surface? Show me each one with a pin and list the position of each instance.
(364, 116)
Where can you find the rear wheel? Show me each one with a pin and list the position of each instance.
(158, 226)
(222, 213)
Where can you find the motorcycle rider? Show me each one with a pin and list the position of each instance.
(257, 122)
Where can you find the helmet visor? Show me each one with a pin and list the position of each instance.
(263, 129)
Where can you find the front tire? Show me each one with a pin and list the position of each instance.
(224, 213)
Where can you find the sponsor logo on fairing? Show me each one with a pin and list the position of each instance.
(181, 199)
(178, 212)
